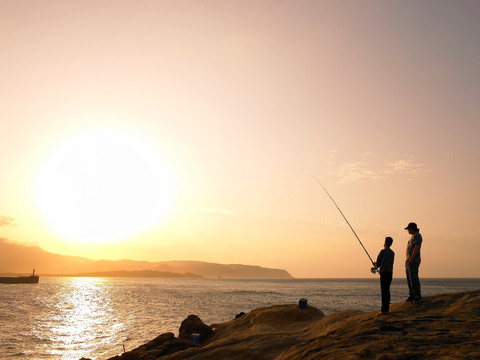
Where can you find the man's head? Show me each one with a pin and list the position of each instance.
(388, 241)
(412, 228)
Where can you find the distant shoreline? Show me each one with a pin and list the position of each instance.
(162, 274)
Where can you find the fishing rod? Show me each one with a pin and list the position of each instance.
(366, 252)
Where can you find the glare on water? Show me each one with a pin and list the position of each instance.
(75, 316)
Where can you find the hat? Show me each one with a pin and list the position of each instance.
(412, 226)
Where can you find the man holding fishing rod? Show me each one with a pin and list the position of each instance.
(413, 263)
(384, 265)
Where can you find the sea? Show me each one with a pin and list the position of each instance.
(70, 318)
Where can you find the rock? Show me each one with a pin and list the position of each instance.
(194, 325)
(443, 327)
(163, 344)
(240, 314)
(169, 347)
(159, 340)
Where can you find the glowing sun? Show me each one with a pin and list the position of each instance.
(103, 185)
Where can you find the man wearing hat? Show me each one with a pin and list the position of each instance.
(413, 262)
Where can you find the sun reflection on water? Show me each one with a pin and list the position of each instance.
(78, 314)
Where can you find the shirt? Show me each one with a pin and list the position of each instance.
(415, 239)
(385, 260)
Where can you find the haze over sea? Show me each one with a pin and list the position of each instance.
(68, 318)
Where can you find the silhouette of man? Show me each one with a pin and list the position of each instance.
(413, 263)
(385, 263)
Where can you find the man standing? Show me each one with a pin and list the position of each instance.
(385, 264)
(413, 263)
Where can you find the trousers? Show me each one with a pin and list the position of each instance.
(385, 281)
(413, 281)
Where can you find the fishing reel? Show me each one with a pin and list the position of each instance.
(373, 270)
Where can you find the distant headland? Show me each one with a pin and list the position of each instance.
(17, 259)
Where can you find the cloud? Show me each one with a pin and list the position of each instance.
(367, 169)
(405, 167)
(354, 172)
(331, 157)
(7, 221)
(360, 170)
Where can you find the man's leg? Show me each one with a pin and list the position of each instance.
(414, 282)
(411, 295)
(385, 281)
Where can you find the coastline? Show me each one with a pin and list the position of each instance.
(444, 326)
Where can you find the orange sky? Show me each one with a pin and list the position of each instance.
(243, 101)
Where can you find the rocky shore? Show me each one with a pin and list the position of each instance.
(445, 326)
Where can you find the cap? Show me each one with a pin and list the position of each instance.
(412, 226)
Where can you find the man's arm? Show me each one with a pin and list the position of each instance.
(416, 249)
(378, 263)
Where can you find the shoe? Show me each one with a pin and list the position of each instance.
(383, 313)
(410, 299)
(418, 301)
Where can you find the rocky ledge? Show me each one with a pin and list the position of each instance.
(445, 326)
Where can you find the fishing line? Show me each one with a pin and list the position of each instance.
(366, 252)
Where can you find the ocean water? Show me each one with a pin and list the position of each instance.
(70, 318)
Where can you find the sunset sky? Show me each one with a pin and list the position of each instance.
(191, 130)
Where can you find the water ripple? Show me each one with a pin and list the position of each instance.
(70, 318)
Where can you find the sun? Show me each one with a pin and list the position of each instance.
(104, 185)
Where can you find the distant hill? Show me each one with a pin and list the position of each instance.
(141, 273)
(22, 259)
(211, 270)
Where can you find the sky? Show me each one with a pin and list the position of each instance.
(193, 130)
